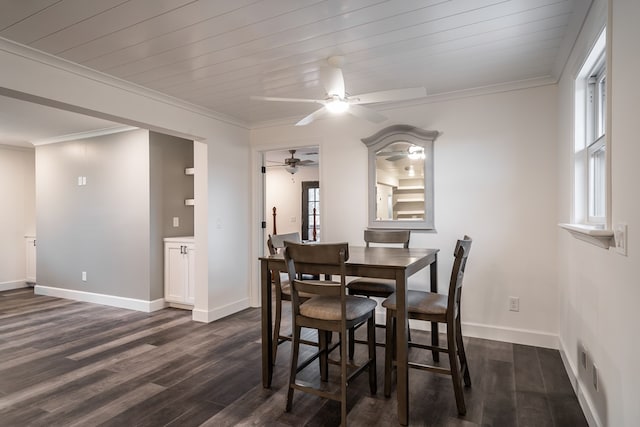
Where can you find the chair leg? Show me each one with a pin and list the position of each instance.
(352, 343)
(435, 341)
(371, 338)
(462, 355)
(455, 369)
(276, 327)
(324, 358)
(388, 352)
(343, 379)
(295, 347)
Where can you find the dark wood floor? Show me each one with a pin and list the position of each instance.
(66, 363)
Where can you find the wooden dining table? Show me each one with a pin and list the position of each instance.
(376, 262)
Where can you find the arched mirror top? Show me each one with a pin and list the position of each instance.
(401, 177)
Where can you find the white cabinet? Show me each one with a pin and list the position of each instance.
(179, 271)
(30, 242)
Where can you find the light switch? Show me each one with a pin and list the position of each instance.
(79, 180)
(176, 221)
(620, 236)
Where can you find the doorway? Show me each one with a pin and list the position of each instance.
(291, 192)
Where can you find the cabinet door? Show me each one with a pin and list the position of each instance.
(31, 259)
(190, 274)
(175, 263)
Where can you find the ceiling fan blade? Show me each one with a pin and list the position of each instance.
(271, 98)
(366, 113)
(389, 95)
(313, 116)
(396, 157)
(389, 153)
(306, 162)
(332, 80)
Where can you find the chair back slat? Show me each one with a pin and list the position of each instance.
(276, 242)
(461, 254)
(302, 258)
(388, 237)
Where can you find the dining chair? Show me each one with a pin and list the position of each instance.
(371, 287)
(439, 308)
(275, 244)
(328, 310)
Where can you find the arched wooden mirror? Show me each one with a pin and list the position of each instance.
(401, 177)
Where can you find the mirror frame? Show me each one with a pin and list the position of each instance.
(416, 136)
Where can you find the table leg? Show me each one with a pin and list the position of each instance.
(433, 273)
(267, 334)
(402, 348)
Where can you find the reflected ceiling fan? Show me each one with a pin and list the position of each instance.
(402, 151)
(337, 100)
(292, 163)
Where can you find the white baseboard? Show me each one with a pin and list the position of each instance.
(490, 332)
(512, 335)
(208, 316)
(585, 402)
(15, 284)
(110, 300)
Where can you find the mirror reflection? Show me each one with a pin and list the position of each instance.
(400, 182)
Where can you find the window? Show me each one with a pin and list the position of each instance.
(590, 171)
(311, 210)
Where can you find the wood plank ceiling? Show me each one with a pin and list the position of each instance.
(217, 53)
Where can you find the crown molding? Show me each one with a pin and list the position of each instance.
(82, 135)
(48, 59)
(16, 147)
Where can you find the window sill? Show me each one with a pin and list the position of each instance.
(596, 236)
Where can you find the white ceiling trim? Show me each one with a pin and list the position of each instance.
(32, 54)
(15, 147)
(83, 135)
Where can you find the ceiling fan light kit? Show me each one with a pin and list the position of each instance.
(337, 106)
(337, 101)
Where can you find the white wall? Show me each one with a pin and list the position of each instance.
(600, 289)
(221, 158)
(17, 212)
(494, 180)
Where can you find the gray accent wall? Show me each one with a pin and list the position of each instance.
(102, 227)
(113, 226)
(169, 187)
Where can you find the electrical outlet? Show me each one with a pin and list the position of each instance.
(583, 358)
(514, 304)
(176, 221)
(84, 276)
(594, 373)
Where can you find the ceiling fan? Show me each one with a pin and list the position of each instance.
(402, 150)
(292, 163)
(337, 100)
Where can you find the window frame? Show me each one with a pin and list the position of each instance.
(592, 174)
